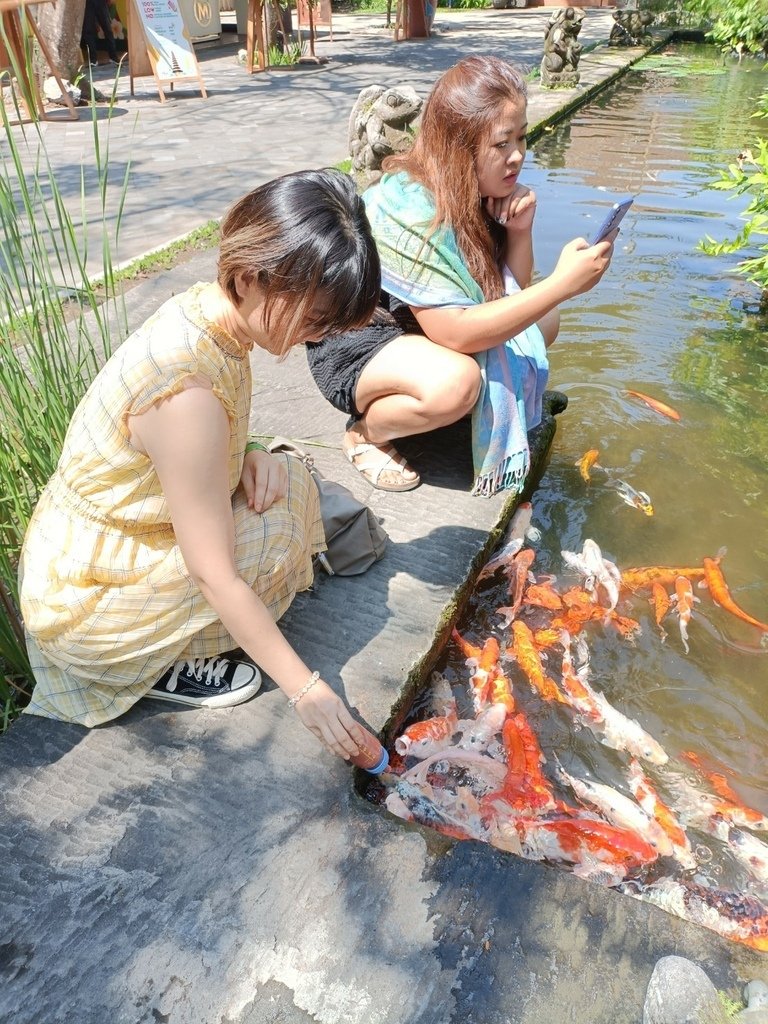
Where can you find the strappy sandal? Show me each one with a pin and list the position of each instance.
(380, 461)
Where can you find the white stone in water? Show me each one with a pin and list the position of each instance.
(679, 992)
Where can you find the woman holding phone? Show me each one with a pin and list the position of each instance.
(463, 328)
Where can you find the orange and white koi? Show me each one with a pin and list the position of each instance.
(661, 604)
(586, 462)
(589, 844)
(748, 850)
(612, 728)
(516, 532)
(598, 571)
(529, 660)
(727, 803)
(660, 407)
(618, 810)
(517, 574)
(696, 807)
(483, 662)
(733, 915)
(720, 594)
(424, 738)
(645, 794)
(684, 599)
(643, 577)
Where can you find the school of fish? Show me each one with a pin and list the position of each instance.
(476, 768)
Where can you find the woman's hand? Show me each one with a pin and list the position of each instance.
(581, 265)
(327, 717)
(514, 212)
(264, 479)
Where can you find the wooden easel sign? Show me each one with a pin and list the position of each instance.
(160, 45)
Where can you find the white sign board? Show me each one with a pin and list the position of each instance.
(168, 42)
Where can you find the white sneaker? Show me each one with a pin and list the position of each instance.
(217, 682)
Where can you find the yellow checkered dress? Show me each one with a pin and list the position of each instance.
(106, 598)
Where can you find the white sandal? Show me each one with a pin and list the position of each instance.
(381, 461)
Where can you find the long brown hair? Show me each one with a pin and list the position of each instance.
(457, 119)
(303, 237)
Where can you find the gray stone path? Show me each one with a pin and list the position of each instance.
(217, 867)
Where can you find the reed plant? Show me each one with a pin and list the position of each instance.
(58, 324)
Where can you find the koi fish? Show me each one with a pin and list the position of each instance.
(546, 638)
(543, 595)
(518, 528)
(421, 804)
(598, 571)
(585, 842)
(720, 594)
(733, 915)
(612, 728)
(619, 810)
(525, 787)
(476, 734)
(586, 462)
(730, 804)
(748, 850)
(631, 497)
(529, 660)
(661, 407)
(697, 807)
(684, 599)
(652, 804)
(424, 738)
(661, 605)
(644, 577)
(487, 773)
(482, 661)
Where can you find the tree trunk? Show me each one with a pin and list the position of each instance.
(60, 26)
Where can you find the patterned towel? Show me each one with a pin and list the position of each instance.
(423, 269)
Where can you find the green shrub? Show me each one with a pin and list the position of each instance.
(748, 176)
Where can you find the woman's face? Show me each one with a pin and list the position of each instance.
(276, 341)
(501, 154)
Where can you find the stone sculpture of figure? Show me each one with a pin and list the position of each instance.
(562, 49)
(381, 123)
(631, 28)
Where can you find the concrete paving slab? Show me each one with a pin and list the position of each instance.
(202, 867)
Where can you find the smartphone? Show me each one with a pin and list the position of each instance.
(615, 217)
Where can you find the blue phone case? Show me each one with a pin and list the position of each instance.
(614, 218)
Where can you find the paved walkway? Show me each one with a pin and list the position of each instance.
(190, 158)
(217, 867)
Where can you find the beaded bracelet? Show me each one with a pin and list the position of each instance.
(255, 446)
(294, 700)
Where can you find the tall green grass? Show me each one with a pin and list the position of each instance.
(55, 331)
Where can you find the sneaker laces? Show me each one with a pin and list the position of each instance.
(213, 669)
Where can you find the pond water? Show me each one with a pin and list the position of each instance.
(673, 323)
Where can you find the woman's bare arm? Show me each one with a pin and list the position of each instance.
(187, 436)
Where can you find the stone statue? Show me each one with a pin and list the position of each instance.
(631, 28)
(562, 49)
(381, 123)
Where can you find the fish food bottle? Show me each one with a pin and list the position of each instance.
(371, 756)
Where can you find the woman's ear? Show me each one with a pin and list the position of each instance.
(242, 285)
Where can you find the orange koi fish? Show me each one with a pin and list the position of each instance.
(543, 595)
(644, 577)
(656, 405)
(525, 787)
(424, 738)
(720, 594)
(544, 638)
(591, 844)
(483, 661)
(698, 807)
(586, 462)
(661, 605)
(529, 660)
(626, 626)
(652, 804)
(684, 600)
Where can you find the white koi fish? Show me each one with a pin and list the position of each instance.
(631, 497)
(477, 734)
(652, 804)
(749, 851)
(518, 529)
(596, 570)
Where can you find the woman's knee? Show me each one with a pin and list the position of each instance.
(549, 325)
(453, 392)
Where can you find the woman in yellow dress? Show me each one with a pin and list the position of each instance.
(164, 537)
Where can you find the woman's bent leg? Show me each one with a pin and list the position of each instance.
(409, 387)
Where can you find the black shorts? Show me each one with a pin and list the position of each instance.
(337, 361)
